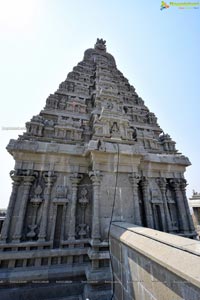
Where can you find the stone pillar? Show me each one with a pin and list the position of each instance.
(60, 199)
(6, 224)
(134, 179)
(28, 180)
(183, 184)
(75, 179)
(182, 217)
(162, 184)
(49, 178)
(147, 204)
(96, 179)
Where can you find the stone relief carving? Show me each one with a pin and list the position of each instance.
(68, 86)
(62, 104)
(134, 133)
(167, 142)
(83, 231)
(52, 102)
(49, 123)
(114, 130)
(84, 199)
(37, 195)
(101, 146)
(73, 75)
(36, 202)
(61, 195)
(37, 119)
(83, 228)
(151, 118)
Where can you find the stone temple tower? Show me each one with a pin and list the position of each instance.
(94, 152)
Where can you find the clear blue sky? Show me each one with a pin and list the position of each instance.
(158, 51)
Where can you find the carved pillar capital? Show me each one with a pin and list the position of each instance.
(96, 177)
(28, 180)
(76, 178)
(17, 179)
(174, 184)
(183, 184)
(49, 178)
(162, 183)
(134, 178)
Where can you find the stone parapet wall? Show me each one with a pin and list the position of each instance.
(153, 265)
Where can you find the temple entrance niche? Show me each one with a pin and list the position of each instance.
(84, 209)
(58, 226)
(158, 217)
(142, 206)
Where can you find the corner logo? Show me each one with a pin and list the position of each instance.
(163, 5)
(180, 5)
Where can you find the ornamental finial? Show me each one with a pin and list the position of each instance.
(100, 45)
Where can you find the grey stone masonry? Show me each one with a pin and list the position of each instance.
(94, 148)
(148, 264)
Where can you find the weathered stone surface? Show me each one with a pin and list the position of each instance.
(153, 265)
(93, 152)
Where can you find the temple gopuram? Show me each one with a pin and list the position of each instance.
(93, 155)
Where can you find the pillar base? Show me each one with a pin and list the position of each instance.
(95, 242)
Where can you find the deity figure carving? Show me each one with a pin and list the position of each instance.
(115, 130)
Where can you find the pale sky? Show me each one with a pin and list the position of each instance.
(158, 51)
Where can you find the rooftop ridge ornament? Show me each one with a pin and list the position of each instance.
(100, 45)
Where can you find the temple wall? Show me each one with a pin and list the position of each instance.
(124, 208)
(152, 265)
